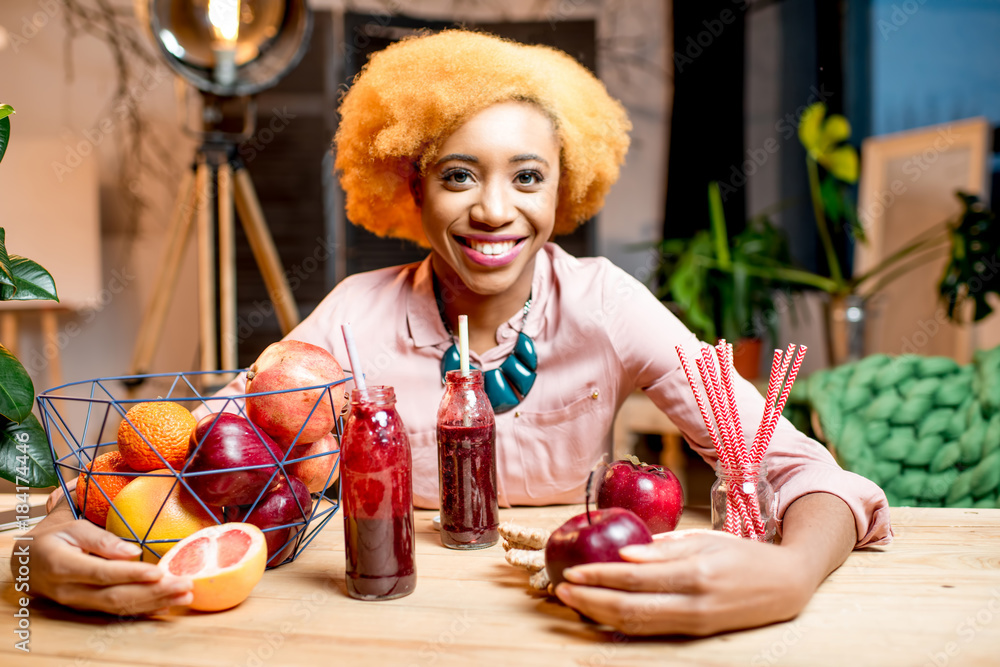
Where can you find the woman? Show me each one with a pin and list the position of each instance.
(482, 149)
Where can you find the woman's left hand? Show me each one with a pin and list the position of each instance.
(696, 583)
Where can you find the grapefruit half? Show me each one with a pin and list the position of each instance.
(225, 562)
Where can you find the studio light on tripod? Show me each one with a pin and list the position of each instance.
(228, 50)
(229, 47)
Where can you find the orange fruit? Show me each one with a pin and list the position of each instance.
(224, 563)
(88, 488)
(161, 425)
(140, 503)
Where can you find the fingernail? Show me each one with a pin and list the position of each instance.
(179, 585)
(129, 549)
(182, 600)
(573, 576)
(634, 550)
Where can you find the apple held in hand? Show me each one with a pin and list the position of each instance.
(653, 493)
(593, 537)
(307, 414)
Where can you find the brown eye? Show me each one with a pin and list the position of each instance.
(528, 178)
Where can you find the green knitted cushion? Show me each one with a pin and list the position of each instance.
(924, 428)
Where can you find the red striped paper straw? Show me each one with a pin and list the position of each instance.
(725, 451)
(772, 395)
(697, 397)
(726, 371)
(718, 397)
(762, 438)
(779, 408)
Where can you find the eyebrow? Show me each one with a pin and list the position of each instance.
(523, 157)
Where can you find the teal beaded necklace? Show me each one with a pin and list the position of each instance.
(507, 385)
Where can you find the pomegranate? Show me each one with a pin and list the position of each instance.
(315, 470)
(306, 414)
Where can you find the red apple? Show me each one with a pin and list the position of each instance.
(593, 537)
(316, 466)
(281, 514)
(221, 446)
(308, 414)
(653, 492)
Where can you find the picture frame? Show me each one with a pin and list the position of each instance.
(907, 187)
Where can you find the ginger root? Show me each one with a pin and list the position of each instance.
(525, 549)
(520, 537)
(526, 559)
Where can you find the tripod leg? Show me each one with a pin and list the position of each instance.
(264, 251)
(227, 268)
(206, 267)
(156, 311)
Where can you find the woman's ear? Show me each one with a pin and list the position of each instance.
(417, 189)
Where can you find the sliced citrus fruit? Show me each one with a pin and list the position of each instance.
(154, 508)
(224, 563)
(88, 488)
(163, 426)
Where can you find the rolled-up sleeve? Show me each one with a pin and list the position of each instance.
(645, 334)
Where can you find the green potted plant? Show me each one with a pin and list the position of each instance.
(25, 458)
(730, 288)
(705, 267)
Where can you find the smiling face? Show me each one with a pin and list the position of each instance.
(488, 200)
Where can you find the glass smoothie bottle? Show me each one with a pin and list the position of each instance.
(377, 498)
(467, 468)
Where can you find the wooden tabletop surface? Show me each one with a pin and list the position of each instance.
(931, 598)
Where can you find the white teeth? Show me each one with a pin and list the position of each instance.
(493, 249)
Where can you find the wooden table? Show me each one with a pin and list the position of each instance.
(932, 598)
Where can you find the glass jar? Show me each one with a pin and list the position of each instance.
(743, 502)
(376, 472)
(467, 463)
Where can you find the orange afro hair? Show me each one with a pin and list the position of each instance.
(412, 95)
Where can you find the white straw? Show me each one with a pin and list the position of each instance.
(463, 343)
(352, 354)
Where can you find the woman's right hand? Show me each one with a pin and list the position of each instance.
(77, 564)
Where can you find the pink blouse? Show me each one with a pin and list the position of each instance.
(599, 334)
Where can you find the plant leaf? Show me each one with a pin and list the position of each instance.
(31, 282)
(17, 393)
(810, 123)
(842, 163)
(25, 455)
(6, 276)
(4, 135)
(6, 110)
(835, 129)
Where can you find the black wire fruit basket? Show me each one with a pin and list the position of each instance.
(81, 422)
